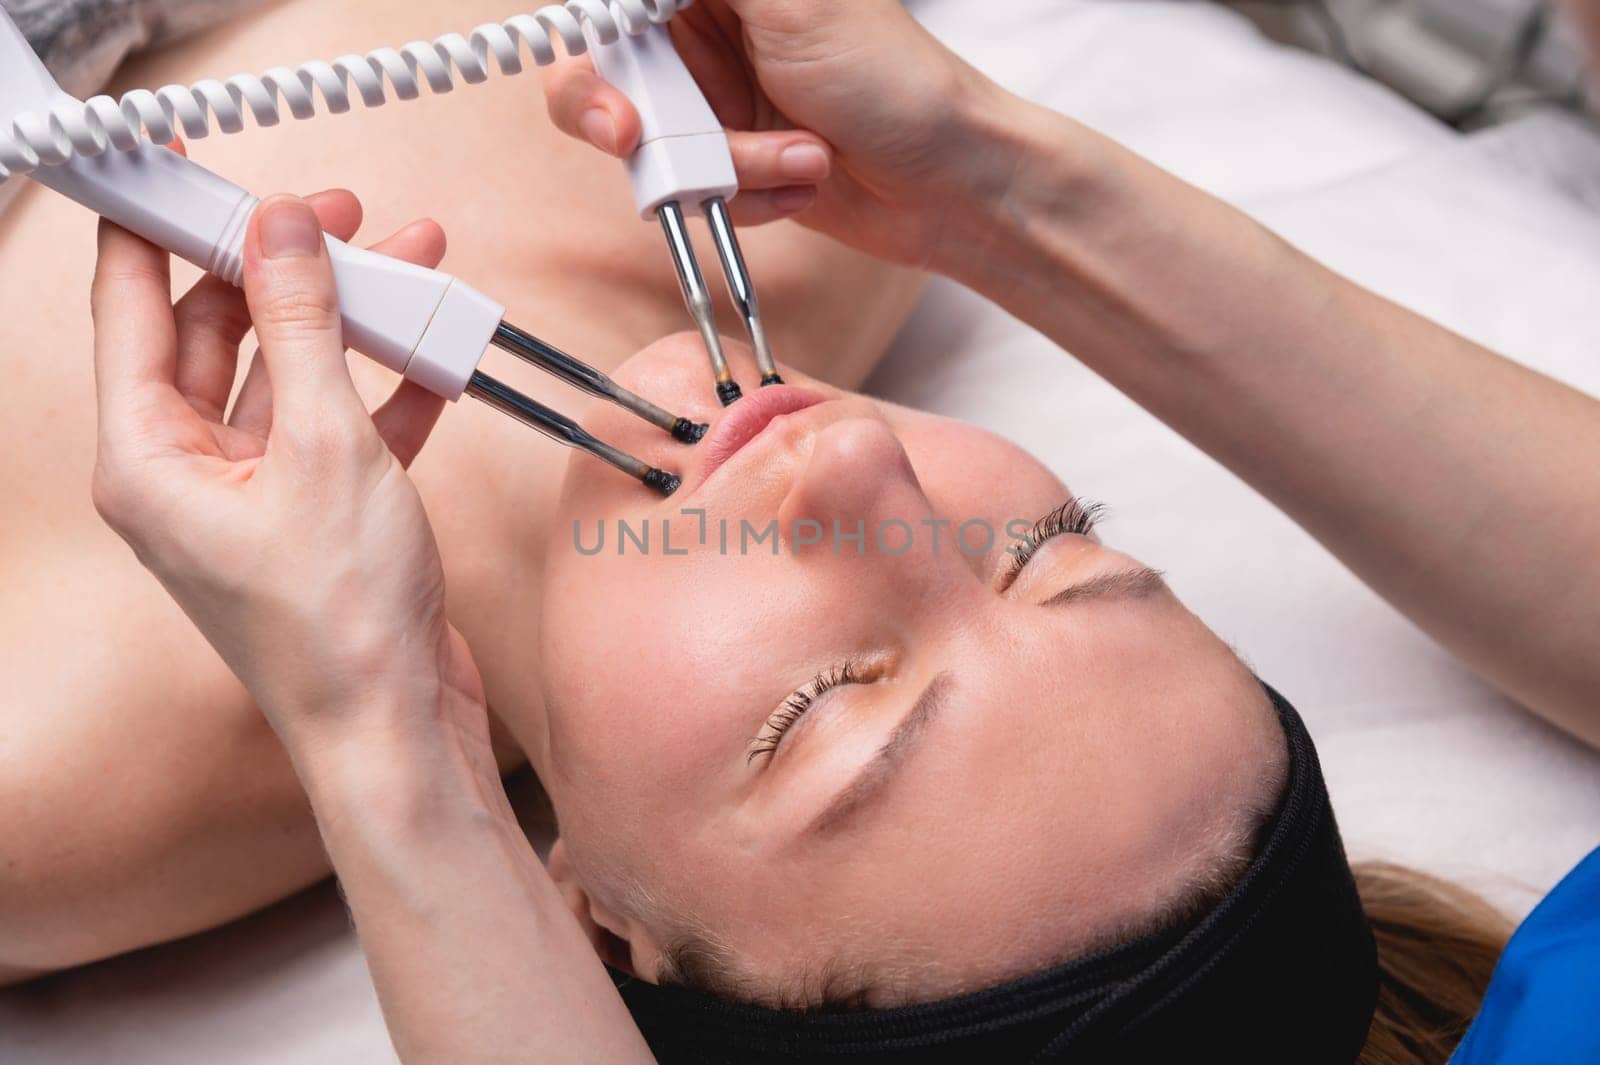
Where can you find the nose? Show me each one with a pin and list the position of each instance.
(855, 469)
(858, 501)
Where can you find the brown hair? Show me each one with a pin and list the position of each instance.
(1437, 947)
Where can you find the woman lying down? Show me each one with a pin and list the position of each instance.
(876, 752)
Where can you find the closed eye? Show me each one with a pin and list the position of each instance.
(796, 706)
(1075, 517)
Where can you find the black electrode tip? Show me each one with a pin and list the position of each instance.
(686, 432)
(663, 482)
(729, 392)
(771, 379)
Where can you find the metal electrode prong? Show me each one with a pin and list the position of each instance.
(698, 298)
(564, 430)
(582, 376)
(740, 287)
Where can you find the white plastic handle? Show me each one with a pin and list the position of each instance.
(683, 154)
(424, 324)
(421, 323)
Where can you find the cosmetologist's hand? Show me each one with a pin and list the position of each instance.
(291, 533)
(288, 528)
(844, 113)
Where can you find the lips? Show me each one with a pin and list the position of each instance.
(748, 419)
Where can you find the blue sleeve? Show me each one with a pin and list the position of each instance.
(1543, 1004)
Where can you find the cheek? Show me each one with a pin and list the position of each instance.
(650, 663)
(972, 475)
(630, 759)
(612, 664)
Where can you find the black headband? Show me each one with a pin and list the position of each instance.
(1283, 969)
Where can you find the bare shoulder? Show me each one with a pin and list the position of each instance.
(46, 255)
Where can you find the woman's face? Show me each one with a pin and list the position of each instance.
(872, 744)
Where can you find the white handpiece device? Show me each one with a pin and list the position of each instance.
(683, 153)
(424, 324)
(421, 323)
(684, 161)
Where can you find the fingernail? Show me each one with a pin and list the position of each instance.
(803, 162)
(796, 199)
(289, 230)
(599, 129)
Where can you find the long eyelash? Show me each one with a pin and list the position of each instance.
(1077, 517)
(795, 707)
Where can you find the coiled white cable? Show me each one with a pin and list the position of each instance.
(75, 129)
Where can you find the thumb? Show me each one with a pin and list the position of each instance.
(294, 303)
(586, 106)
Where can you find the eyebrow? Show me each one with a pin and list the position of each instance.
(890, 757)
(1141, 582)
(1138, 583)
